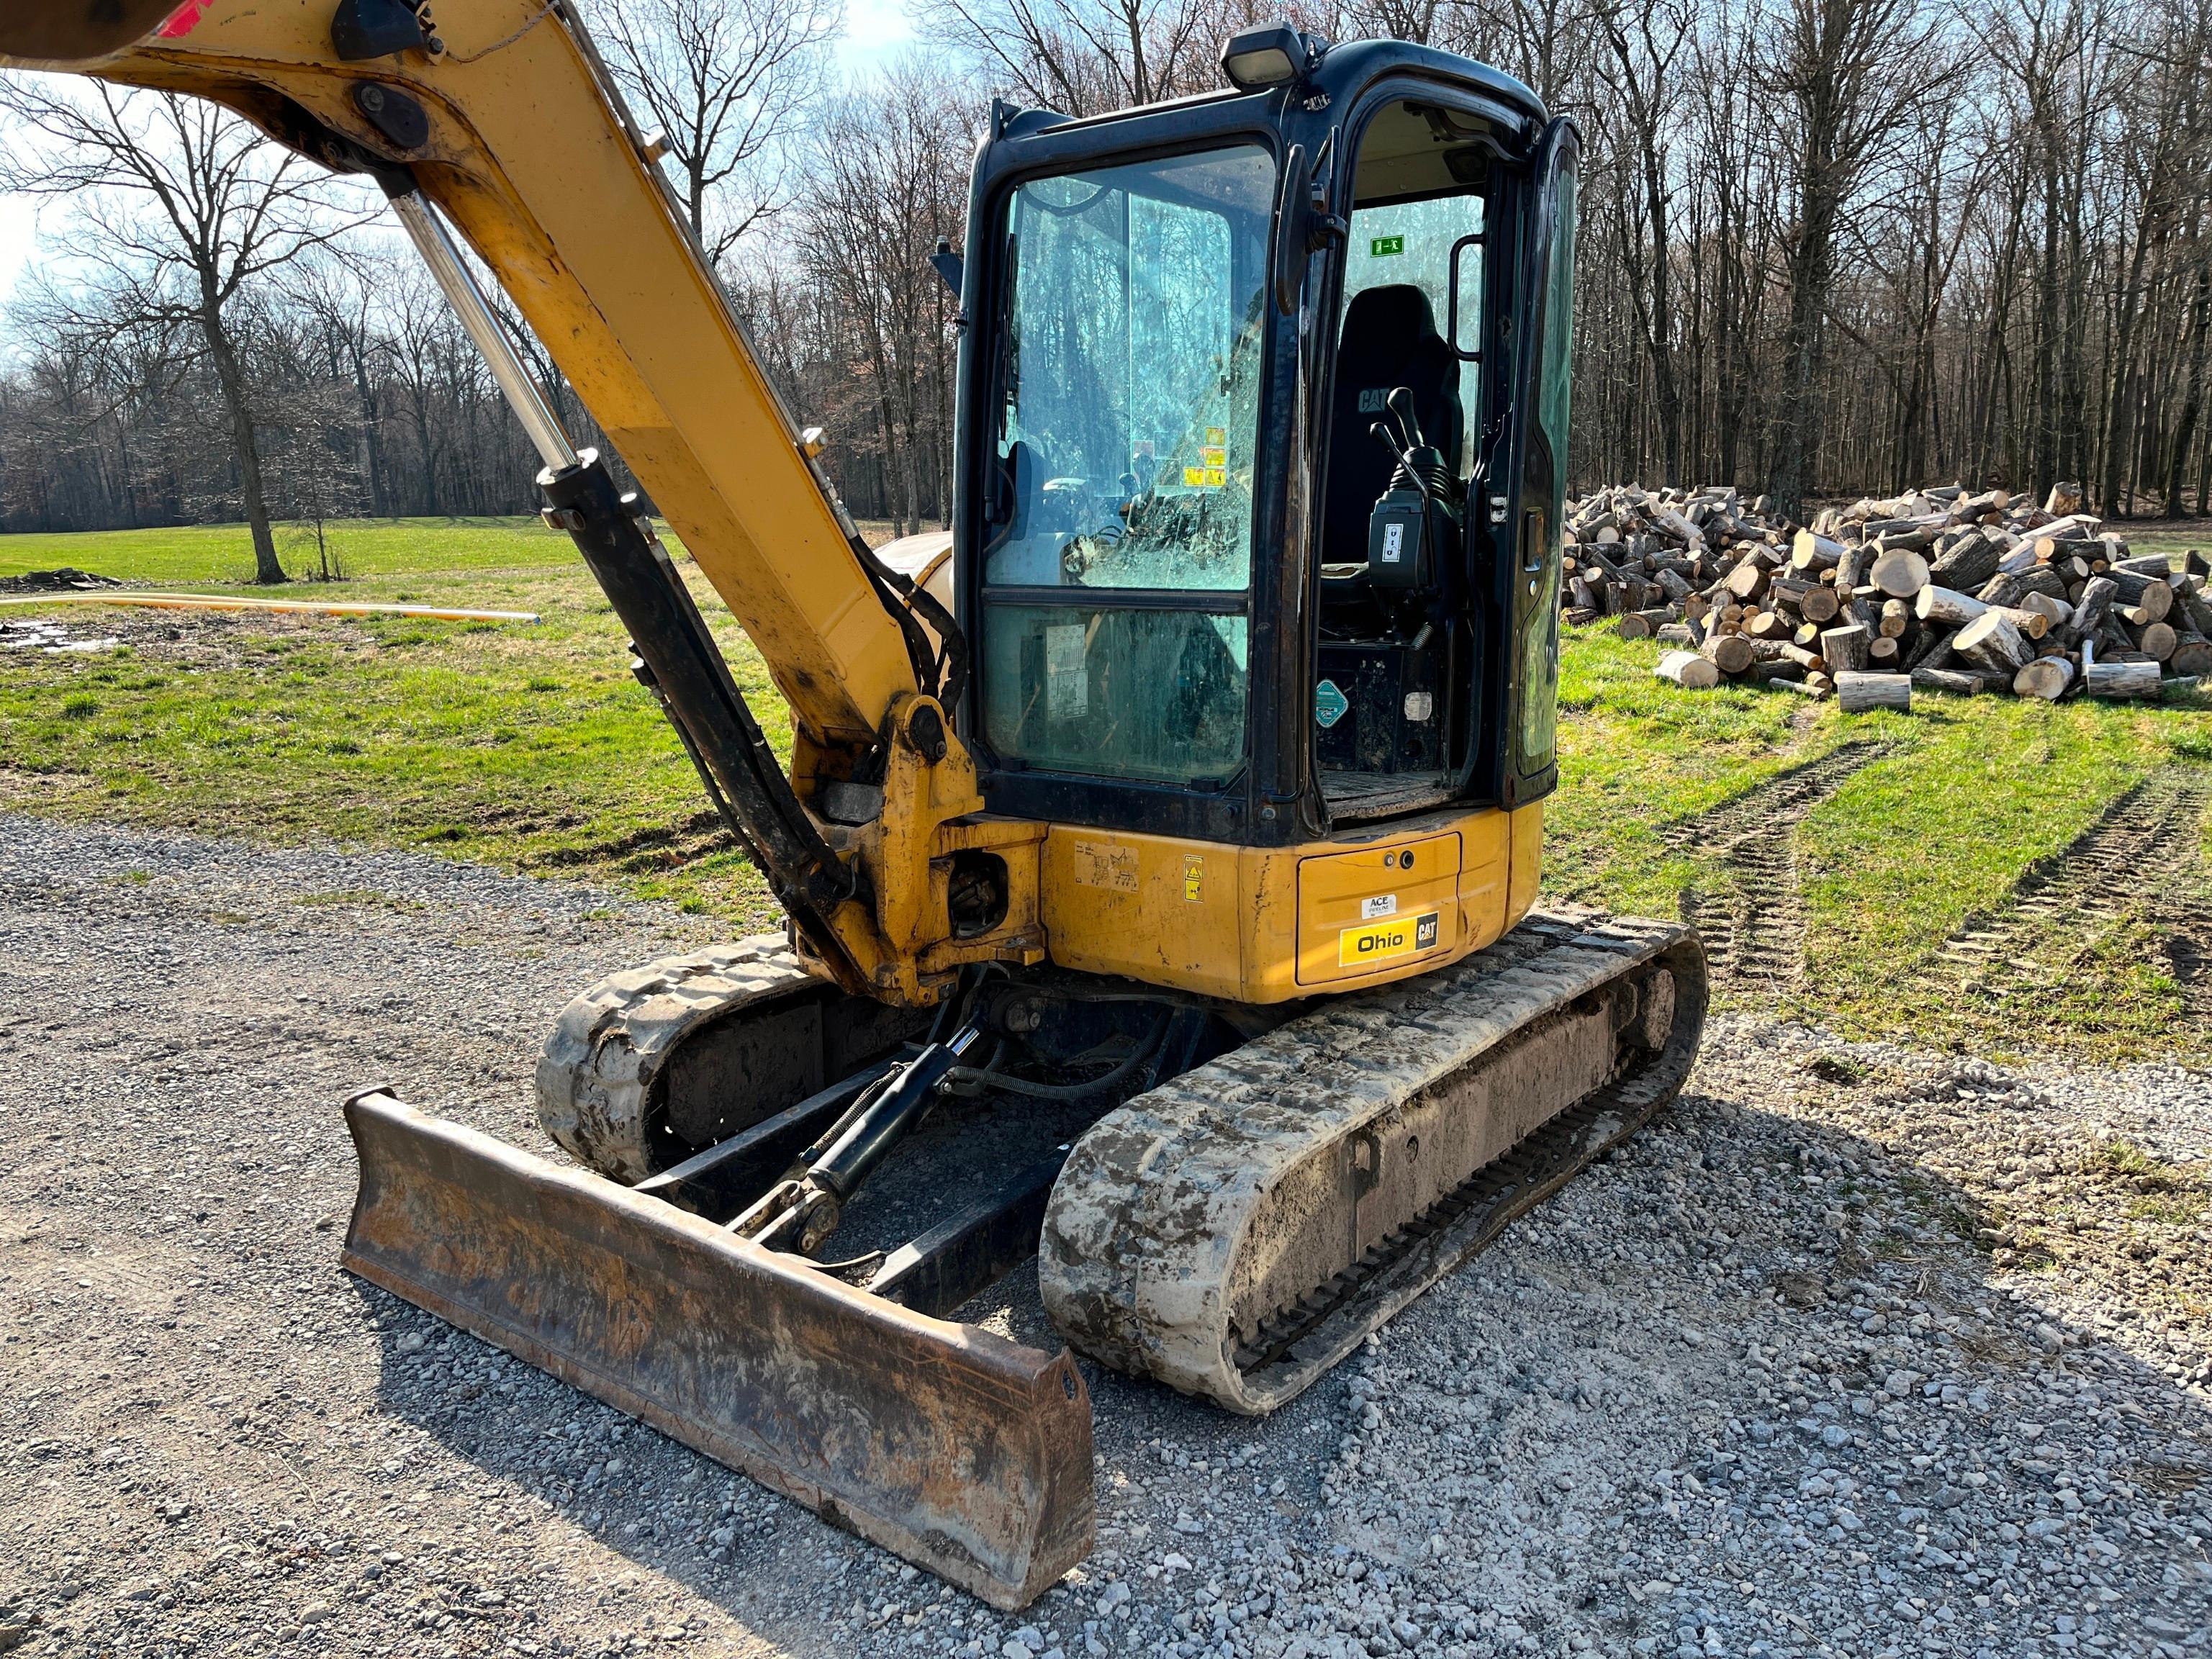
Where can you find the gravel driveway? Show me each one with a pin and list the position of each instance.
(1860, 1352)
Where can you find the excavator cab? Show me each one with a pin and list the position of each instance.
(1193, 843)
(1260, 421)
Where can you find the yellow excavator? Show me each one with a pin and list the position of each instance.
(1186, 811)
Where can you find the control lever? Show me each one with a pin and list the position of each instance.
(1400, 401)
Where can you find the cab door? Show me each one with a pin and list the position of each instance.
(1532, 768)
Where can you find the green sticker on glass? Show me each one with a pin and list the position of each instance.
(1382, 245)
(1330, 705)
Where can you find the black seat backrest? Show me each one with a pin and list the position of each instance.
(1389, 339)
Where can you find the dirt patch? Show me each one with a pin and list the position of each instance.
(64, 580)
(188, 638)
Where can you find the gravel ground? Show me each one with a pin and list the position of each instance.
(1860, 1352)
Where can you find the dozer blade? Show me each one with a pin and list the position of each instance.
(965, 1453)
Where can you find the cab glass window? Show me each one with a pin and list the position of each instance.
(1117, 551)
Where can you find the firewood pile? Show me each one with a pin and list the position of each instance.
(1939, 590)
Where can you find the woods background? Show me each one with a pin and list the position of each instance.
(1829, 247)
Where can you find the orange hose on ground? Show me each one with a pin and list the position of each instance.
(241, 602)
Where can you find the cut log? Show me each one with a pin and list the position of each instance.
(1688, 670)
(1844, 649)
(2189, 601)
(1632, 627)
(2149, 595)
(1747, 582)
(1679, 634)
(1857, 693)
(2157, 641)
(1947, 679)
(2032, 623)
(1819, 605)
(1883, 655)
(1814, 552)
(1946, 608)
(1971, 561)
(2123, 680)
(1895, 616)
(2192, 656)
(1852, 568)
(1993, 641)
(2046, 677)
(2064, 498)
(1730, 654)
(2008, 587)
(1899, 572)
(1788, 593)
(1768, 625)
(2056, 611)
(2089, 611)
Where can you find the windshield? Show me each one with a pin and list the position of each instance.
(1130, 379)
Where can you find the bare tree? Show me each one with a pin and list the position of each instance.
(727, 82)
(186, 205)
(1645, 40)
(888, 184)
(1851, 73)
(1086, 57)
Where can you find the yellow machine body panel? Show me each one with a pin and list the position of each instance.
(1264, 925)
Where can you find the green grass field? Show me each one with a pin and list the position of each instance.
(529, 747)
(219, 556)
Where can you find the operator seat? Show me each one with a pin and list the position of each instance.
(1389, 339)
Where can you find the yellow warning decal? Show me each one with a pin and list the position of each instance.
(1194, 879)
(1380, 941)
(1204, 478)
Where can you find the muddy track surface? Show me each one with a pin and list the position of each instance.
(2142, 860)
(1753, 922)
(1737, 1387)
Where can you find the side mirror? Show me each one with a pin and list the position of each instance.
(949, 266)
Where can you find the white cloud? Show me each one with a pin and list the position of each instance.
(874, 29)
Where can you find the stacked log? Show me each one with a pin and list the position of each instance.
(1943, 590)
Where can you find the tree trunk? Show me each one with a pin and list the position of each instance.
(232, 378)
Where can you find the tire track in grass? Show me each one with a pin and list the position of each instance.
(2126, 866)
(1753, 921)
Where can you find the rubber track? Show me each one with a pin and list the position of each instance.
(1754, 929)
(1145, 1224)
(596, 1077)
(1470, 1218)
(2102, 876)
